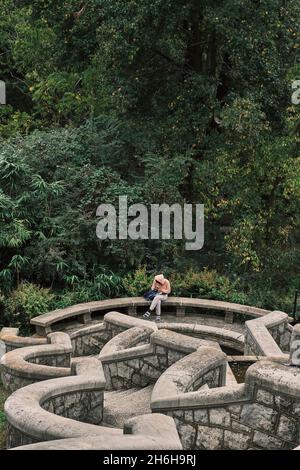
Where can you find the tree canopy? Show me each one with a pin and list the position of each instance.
(163, 101)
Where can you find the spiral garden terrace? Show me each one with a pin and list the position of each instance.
(122, 382)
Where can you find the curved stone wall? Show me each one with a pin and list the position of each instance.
(157, 432)
(69, 411)
(91, 339)
(263, 413)
(193, 385)
(224, 337)
(12, 340)
(142, 365)
(23, 366)
(47, 410)
(269, 335)
(82, 312)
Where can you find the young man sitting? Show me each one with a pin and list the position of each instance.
(163, 288)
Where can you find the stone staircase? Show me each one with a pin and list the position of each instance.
(120, 405)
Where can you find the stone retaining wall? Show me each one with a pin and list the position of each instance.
(269, 335)
(24, 366)
(224, 337)
(10, 337)
(65, 413)
(189, 371)
(263, 413)
(29, 411)
(142, 432)
(91, 339)
(141, 365)
(83, 312)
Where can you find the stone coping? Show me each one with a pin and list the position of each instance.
(176, 341)
(127, 354)
(221, 335)
(127, 339)
(221, 396)
(172, 385)
(284, 379)
(122, 345)
(47, 319)
(244, 358)
(126, 322)
(274, 318)
(24, 408)
(11, 338)
(88, 330)
(113, 350)
(18, 361)
(258, 330)
(151, 432)
(268, 373)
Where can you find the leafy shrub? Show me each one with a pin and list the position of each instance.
(104, 285)
(2, 306)
(208, 284)
(271, 299)
(3, 396)
(138, 282)
(26, 302)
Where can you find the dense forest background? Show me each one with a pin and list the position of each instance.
(162, 101)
